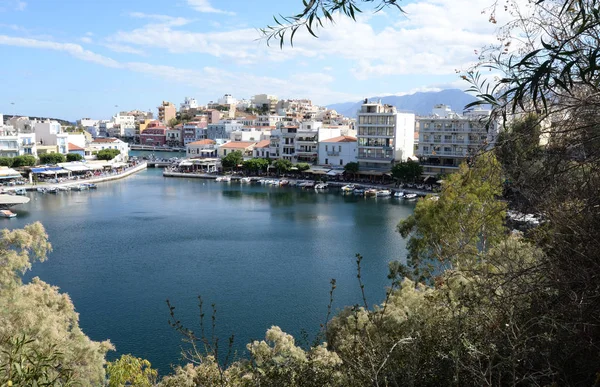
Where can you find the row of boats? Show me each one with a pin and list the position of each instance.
(66, 188)
(318, 186)
(362, 191)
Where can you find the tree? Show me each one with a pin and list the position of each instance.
(351, 168)
(407, 170)
(232, 160)
(6, 161)
(303, 167)
(74, 157)
(42, 317)
(173, 122)
(108, 154)
(465, 221)
(24, 161)
(282, 166)
(131, 371)
(52, 158)
(256, 165)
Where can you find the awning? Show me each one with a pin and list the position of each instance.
(335, 172)
(119, 165)
(54, 172)
(9, 173)
(76, 168)
(95, 166)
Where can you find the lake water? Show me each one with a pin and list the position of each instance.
(263, 255)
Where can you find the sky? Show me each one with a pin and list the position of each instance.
(89, 58)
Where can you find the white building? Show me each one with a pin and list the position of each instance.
(86, 122)
(123, 123)
(111, 143)
(446, 139)
(227, 99)
(201, 149)
(384, 136)
(338, 151)
(250, 134)
(266, 102)
(188, 103)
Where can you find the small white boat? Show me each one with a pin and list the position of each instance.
(410, 196)
(20, 191)
(64, 188)
(7, 214)
(359, 191)
(284, 182)
(321, 186)
(399, 194)
(219, 178)
(41, 190)
(246, 180)
(92, 186)
(384, 193)
(348, 188)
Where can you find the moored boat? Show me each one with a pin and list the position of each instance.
(371, 192)
(384, 193)
(321, 186)
(20, 191)
(410, 196)
(399, 194)
(246, 180)
(7, 214)
(348, 188)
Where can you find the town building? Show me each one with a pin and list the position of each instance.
(446, 139)
(201, 148)
(15, 142)
(266, 103)
(155, 135)
(111, 143)
(174, 136)
(249, 134)
(75, 149)
(245, 147)
(222, 129)
(338, 151)
(384, 135)
(166, 112)
(261, 149)
(194, 131)
(188, 103)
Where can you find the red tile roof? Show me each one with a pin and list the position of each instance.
(263, 144)
(105, 139)
(238, 145)
(341, 139)
(73, 147)
(202, 142)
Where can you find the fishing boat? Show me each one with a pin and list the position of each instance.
(359, 191)
(399, 194)
(384, 193)
(246, 180)
(348, 188)
(321, 186)
(20, 191)
(410, 196)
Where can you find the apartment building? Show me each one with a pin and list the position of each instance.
(166, 112)
(385, 136)
(446, 139)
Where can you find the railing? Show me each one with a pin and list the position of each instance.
(333, 153)
(441, 153)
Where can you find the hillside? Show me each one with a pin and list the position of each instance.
(60, 121)
(419, 103)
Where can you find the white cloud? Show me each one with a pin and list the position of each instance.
(85, 39)
(20, 6)
(216, 79)
(72, 49)
(115, 47)
(163, 20)
(204, 6)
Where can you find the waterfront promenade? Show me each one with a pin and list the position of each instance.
(97, 179)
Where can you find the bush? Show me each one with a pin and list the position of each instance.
(52, 158)
(6, 161)
(24, 161)
(74, 157)
(108, 154)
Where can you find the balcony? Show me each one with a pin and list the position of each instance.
(306, 152)
(333, 153)
(442, 153)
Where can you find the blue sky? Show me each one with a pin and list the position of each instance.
(80, 58)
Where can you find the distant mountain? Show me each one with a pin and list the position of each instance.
(419, 103)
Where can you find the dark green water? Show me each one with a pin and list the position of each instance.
(263, 255)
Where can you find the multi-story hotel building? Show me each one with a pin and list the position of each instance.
(385, 136)
(446, 139)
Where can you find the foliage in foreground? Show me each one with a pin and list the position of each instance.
(40, 338)
(107, 154)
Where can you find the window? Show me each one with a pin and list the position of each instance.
(425, 149)
(340, 148)
(341, 162)
(326, 161)
(326, 148)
